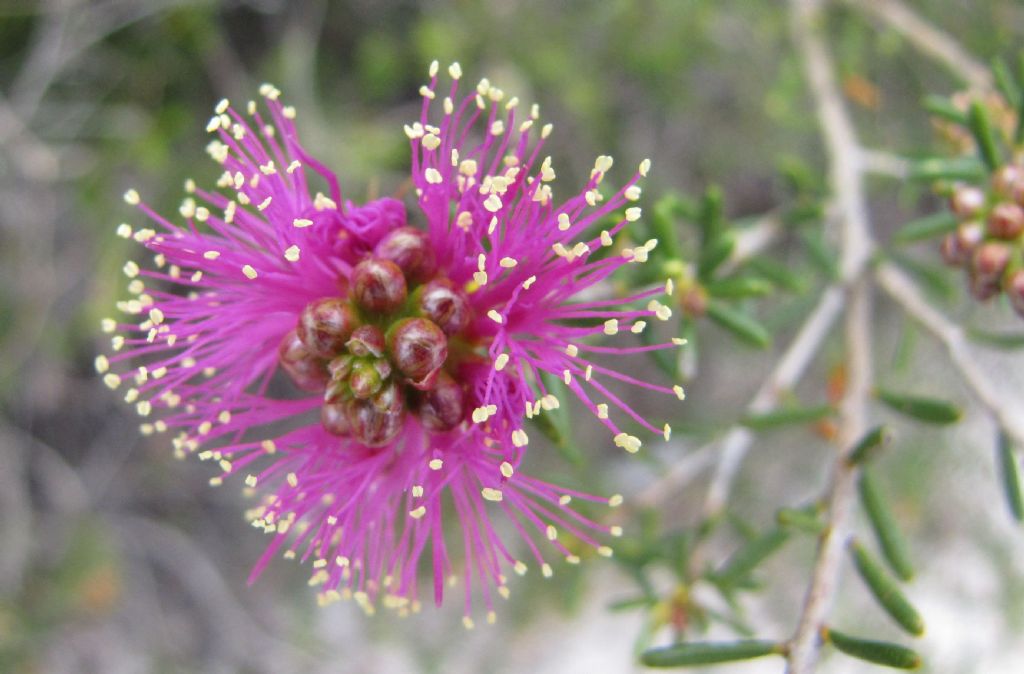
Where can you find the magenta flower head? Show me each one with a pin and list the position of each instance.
(369, 371)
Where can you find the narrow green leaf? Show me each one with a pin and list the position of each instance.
(999, 340)
(787, 416)
(878, 652)
(960, 168)
(665, 226)
(869, 444)
(745, 560)
(886, 591)
(981, 128)
(780, 274)
(712, 214)
(926, 228)
(714, 253)
(930, 410)
(940, 106)
(708, 653)
(887, 532)
(1009, 471)
(739, 287)
(1006, 82)
(1018, 136)
(741, 324)
(804, 519)
(935, 278)
(821, 253)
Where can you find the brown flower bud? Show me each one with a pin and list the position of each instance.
(694, 301)
(304, 369)
(378, 285)
(951, 251)
(1007, 178)
(364, 380)
(987, 266)
(334, 419)
(967, 201)
(367, 340)
(441, 408)
(1006, 221)
(445, 305)
(377, 420)
(1014, 287)
(418, 349)
(410, 249)
(325, 325)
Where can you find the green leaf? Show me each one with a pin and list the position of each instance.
(925, 228)
(709, 652)
(714, 253)
(878, 652)
(712, 215)
(745, 560)
(981, 128)
(999, 340)
(664, 225)
(869, 444)
(804, 519)
(739, 287)
(740, 324)
(780, 274)
(960, 168)
(886, 590)
(1009, 472)
(787, 416)
(1006, 82)
(820, 253)
(929, 410)
(887, 532)
(942, 107)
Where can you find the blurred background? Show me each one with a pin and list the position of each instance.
(114, 557)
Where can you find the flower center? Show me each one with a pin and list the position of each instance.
(381, 351)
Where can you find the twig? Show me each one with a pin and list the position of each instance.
(752, 240)
(846, 178)
(903, 289)
(929, 39)
(787, 372)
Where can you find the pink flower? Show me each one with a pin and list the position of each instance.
(370, 377)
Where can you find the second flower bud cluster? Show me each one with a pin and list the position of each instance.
(380, 350)
(989, 239)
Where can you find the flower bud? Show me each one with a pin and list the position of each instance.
(987, 266)
(305, 370)
(410, 249)
(364, 380)
(967, 201)
(340, 367)
(333, 418)
(378, 285)
(1014, 286)
(441, 408)
(377, 420)
(367, 340)
(968, 236)
(694, 301)
(445, 305)
(418, 349)
(1006, 221)
(325, 325)
(1007, 178)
